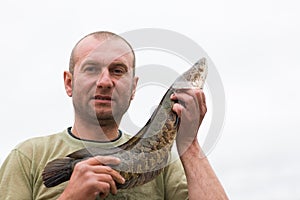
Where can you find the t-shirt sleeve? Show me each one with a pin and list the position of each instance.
(175, 182)
(15, 177)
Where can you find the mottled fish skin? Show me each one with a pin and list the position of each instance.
(145, 155)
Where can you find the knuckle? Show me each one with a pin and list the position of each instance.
(99, 159)
(81, 167)
(104, 159)
(108, 170)
(106, 177)
(101, 186)
(105, 186)
(204, 109)
(198, 92)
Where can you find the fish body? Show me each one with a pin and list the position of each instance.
(144, 156)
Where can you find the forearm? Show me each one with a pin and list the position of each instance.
(202, 181)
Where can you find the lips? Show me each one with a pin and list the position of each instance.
(102, 97)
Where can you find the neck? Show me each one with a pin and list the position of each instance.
(102, 131)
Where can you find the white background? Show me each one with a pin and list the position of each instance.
(255, 46)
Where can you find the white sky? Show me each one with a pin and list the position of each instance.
(253, 44)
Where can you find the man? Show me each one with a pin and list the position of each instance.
(102, 83)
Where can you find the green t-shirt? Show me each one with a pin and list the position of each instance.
(21, 172)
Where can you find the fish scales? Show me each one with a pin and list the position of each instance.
(144, 156)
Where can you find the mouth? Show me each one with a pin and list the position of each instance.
(102, 98)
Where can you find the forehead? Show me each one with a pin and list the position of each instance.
(104, 50)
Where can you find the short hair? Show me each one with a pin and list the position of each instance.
(98, 35)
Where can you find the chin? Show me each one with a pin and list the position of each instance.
(105, 116)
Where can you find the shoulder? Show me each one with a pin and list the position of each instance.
(44, 148)
(37, 143)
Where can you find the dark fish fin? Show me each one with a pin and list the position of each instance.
(81, 153)
(93, 151)
(58, 171)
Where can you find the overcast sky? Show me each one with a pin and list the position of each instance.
(254, 46)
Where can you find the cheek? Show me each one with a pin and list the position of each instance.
(123, 89)
(82, 84)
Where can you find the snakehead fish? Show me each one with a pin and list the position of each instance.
(145, 155)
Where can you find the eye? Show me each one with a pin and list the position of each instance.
(90, 69)
(118, 70)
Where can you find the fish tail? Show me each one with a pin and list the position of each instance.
(58, 171)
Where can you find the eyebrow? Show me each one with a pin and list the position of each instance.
(113, 62)
(118, 62)
(90, 62)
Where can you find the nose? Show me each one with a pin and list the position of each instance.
(104, 80)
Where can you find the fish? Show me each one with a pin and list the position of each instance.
(144, 155)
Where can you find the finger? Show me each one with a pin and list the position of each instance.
(103, 160)
(108, 179)
(104, 189)
(203, 107)
(189, 100)
(100, 163)
(108, 170)
(184, 101)
(189, 91)
(200, 96)
(177, 108)
(203, 97)
(198, 99)
(173, 97)
(181, 94)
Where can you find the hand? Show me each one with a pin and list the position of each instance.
(191, 108)
(201, 179)
(92, 177)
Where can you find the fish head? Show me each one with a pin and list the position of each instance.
(194, 77)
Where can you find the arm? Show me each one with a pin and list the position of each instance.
(202, 181)
(15, 177)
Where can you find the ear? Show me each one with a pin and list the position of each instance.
(68, 78)
(135, 81)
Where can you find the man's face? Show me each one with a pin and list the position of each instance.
(102, 83)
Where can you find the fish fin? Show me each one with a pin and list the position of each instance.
(93, 151)
(58, 171)
(81, 153)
